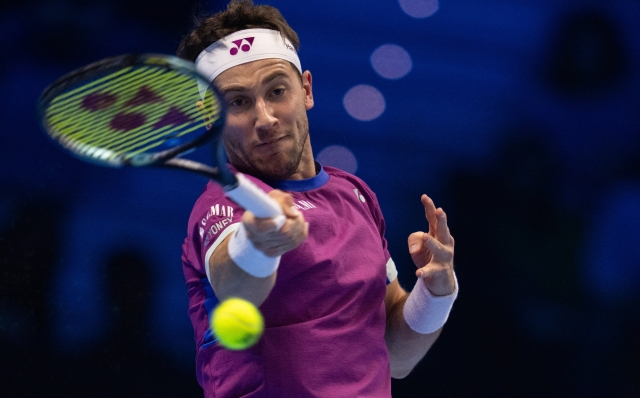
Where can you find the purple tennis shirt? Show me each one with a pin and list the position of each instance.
(325, 317)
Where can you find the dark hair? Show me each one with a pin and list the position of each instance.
(239, 15)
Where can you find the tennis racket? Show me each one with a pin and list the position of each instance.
(140, 110)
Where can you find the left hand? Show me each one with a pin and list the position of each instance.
(432, 252)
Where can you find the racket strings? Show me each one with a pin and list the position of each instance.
(67, 102)
(152, 112)
(60, 98)
(134, 145)
(128, 112)
(73, 116)
(69, 121)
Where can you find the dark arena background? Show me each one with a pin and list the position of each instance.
(521, 118)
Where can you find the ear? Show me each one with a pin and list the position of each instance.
(308, 89)
(203, 112)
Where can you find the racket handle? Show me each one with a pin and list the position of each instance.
(252, 198)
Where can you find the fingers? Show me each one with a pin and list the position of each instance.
(420, 253)
(438, 273)
(279, 242)
(426, 250)
(430, 213)
(285, 200)
(432, 252)
(441, 253)
(435, 247)
(437, 219)
(442, 231)
(415, 242)
(289, 210)
(265, 234)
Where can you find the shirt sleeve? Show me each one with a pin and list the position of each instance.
(216, 216)
(370, 198)
(213, 218)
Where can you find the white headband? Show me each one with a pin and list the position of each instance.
(242, 47)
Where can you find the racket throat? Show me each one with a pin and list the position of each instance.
(227, 180)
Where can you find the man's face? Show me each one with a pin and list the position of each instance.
(267, 131)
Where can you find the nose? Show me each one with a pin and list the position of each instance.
(265, 119)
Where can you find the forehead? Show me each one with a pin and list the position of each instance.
(253, 72)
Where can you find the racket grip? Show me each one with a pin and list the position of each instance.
(252, 198)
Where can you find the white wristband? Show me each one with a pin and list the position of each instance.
(246, 256)
(426, 313)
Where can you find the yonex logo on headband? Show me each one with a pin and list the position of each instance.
(241, 47)
(238, 45)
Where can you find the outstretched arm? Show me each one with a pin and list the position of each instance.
(432, 253)
(229, 279)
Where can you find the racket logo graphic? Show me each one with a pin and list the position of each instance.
(129, 115)
(96, 101)
(239, 46)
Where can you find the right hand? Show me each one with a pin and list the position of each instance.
(263, 233)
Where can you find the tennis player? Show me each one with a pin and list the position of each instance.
(337, 322)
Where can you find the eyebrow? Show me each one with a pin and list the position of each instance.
(238, 87)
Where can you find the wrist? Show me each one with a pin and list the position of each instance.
(251, 260)
(425, 312)
(439, 287)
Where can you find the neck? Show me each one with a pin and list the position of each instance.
(307, 167)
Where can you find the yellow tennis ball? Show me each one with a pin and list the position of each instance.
(237, 323)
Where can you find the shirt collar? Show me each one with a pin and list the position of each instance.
(308, 184)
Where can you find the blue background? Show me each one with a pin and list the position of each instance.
(520, 118)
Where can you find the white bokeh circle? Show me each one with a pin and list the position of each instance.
(340, 157)
(364, 102)
(391, 61)
(419, 8)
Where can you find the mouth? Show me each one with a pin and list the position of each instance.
(270, 142)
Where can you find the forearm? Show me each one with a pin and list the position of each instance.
(415, 320)
(406, 347)
(245, 263)
(227, 279)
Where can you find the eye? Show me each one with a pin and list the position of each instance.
(237, 102)
(277, 92)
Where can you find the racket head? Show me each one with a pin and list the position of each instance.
(132, 110)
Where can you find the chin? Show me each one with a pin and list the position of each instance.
(280, 172)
